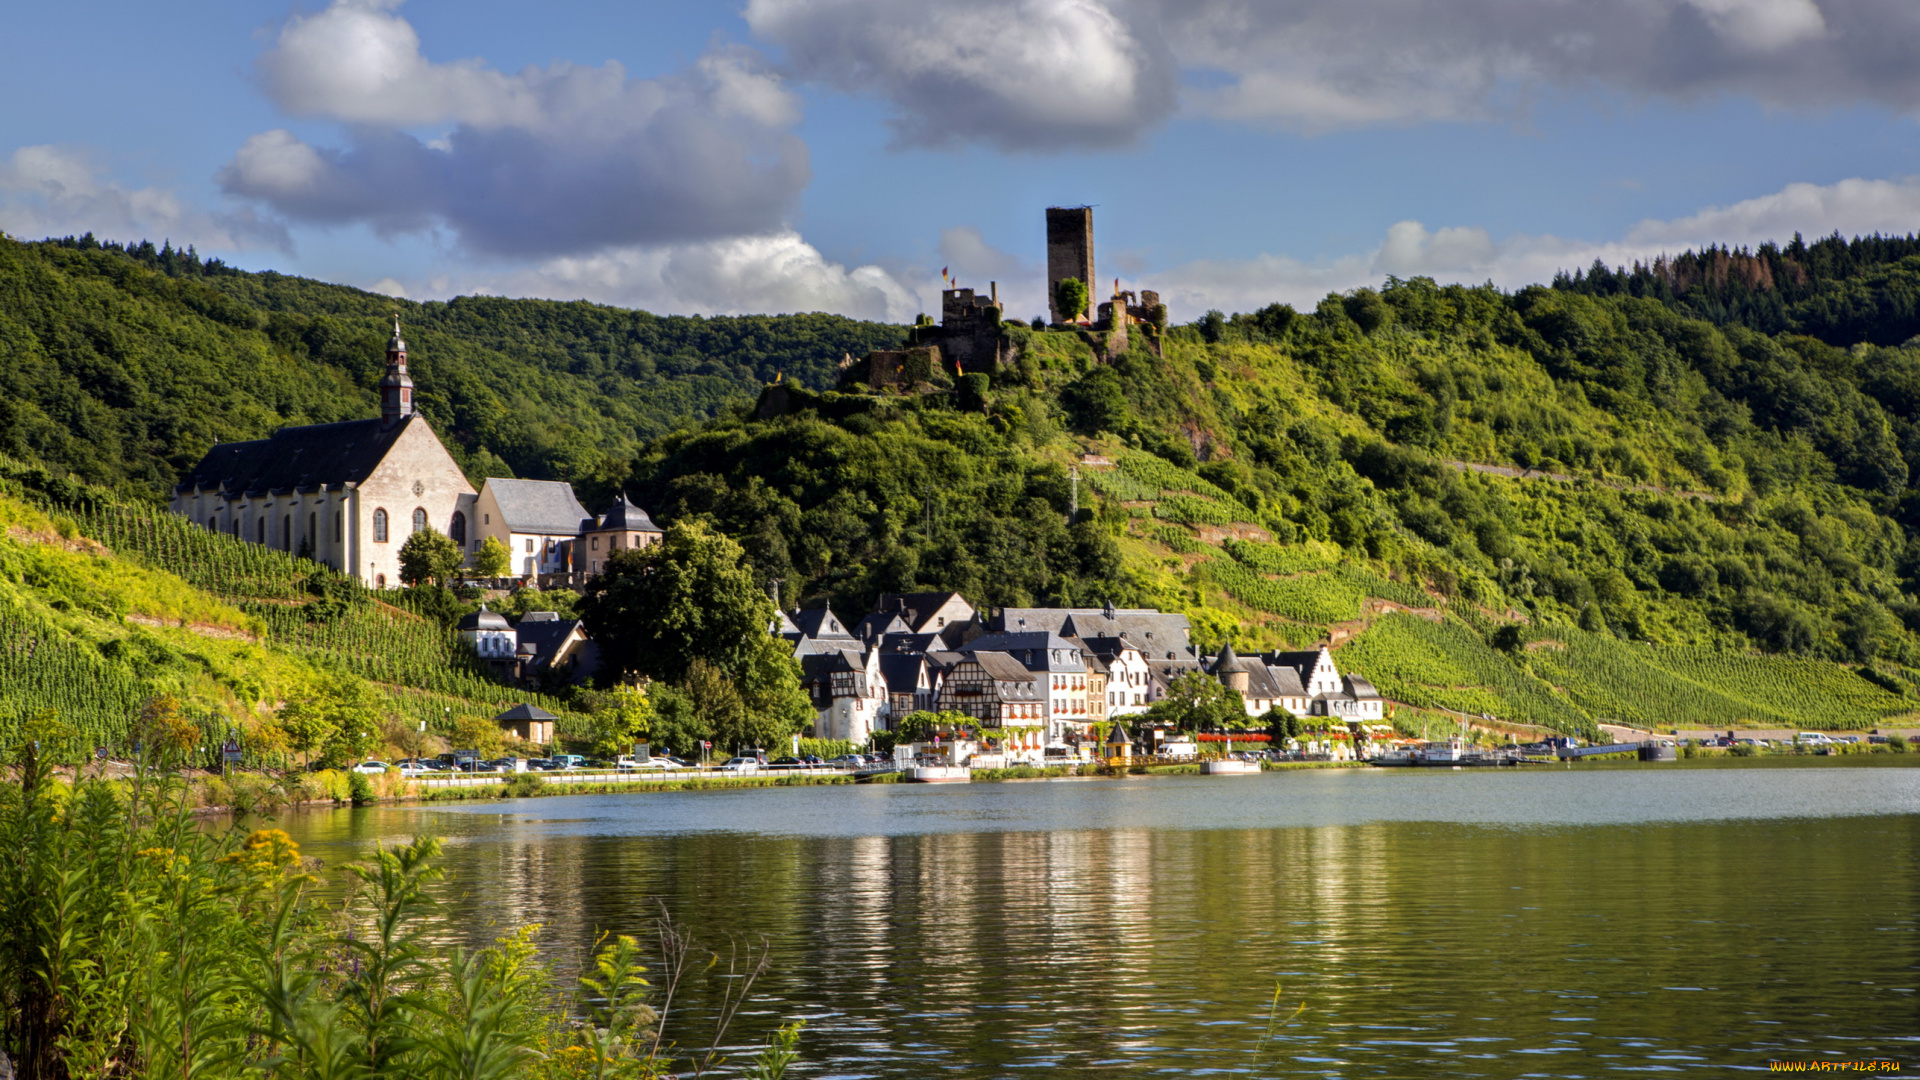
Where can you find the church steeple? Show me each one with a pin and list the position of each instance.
(396, 386)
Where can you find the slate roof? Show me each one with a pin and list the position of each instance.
(1034, 649)
(1228, 661)
(483, 620)
(916, 608)
(1118, 735)
(1360, 688)
(901, 671)
(820, 622)
(1002, 668)
(625, 517)
(297, 458)
(880, 624)
(1302, 662)
(546, 636)
(1286, 681)
(524, 711)
(537, 506)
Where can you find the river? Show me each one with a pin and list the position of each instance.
(1459, 923)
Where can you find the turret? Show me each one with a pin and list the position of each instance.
(396, 386)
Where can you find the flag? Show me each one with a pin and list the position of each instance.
(943, 273)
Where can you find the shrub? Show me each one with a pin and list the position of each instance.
(524, 785)
(359, 788)
(333, 784)
(1897, 744)
(1745, 750)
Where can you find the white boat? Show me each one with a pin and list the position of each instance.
(937, 774)
(1227, 767)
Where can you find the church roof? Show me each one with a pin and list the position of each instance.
(537, 506)
(626, 517)
(298, 458)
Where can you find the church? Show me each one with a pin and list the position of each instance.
(346, 494)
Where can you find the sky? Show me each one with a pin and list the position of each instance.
(837, 155)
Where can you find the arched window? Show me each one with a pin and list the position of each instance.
(213, 523)
(380, 529)
(286, 532)
(457, 528)
(380, 580)
(261, 528)
(419, 520)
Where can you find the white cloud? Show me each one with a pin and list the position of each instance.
(1471, 255)
(1016, 74)
(63, 190)
(556, 160)
(738, 275)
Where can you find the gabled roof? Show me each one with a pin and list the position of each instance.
(902, 671)
(1003, 668)
(817, 665)
(625, 517)
(537, 506)
(783, 626)
(917, 608)
(820, 622)
(1286, 681)
(909, 643)
(1360, 688)
(879, 624)
(1035, 650)
(524, 711)
(546, 636)
(1261, 682)
(1302, 661)
(298, 458)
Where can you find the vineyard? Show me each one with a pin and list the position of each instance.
(1445, 665)
(1325, 596)
(92, 636)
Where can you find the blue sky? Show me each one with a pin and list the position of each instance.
(777, 155)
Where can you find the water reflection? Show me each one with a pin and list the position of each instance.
(1120, 936)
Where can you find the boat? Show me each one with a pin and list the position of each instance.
(936, 774)
(1227, 767)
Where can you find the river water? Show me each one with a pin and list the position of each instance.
(1448, 923)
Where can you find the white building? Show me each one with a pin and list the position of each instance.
(538, 521)
(347, 494)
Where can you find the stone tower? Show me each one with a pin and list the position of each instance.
(1069, 252)
(396, 386)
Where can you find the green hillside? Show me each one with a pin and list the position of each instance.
(105, 605)
(1554, 506)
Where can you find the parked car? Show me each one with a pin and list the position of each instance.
(1813, 738)
(627, 762)
(741, 765)
(786, 763)
(415, 768)
(813, 759)
(371, 767)
(568, 761)
(505, 764)
(849, 761)
(1877, 740)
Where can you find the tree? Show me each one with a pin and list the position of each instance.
(777, 705)
(625, 718)
(429, 556)
(692, 596)
(478, 734)
(1070, 297)
(337, 718)
(1197, 701)
(716, 707)
(493, 560)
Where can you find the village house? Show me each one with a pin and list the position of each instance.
(346, 494)
(537, 520)
(848, 692)
(623, 528)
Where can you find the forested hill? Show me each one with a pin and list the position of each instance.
(1841, 291)
(124, 364)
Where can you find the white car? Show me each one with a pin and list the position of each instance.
(372, 768)
(741, 765)
(628, 761)
(414, 768)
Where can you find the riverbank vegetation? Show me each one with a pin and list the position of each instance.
(142, 943)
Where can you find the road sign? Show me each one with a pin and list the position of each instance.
(231, 752)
